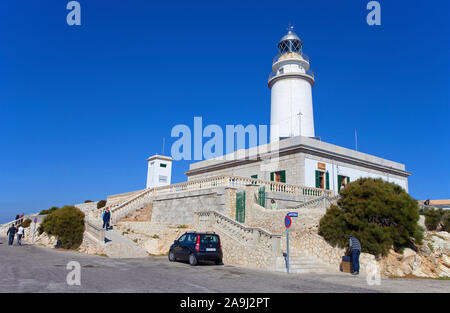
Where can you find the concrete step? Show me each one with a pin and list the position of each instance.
(304, 264)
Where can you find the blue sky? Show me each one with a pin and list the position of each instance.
(82, 107)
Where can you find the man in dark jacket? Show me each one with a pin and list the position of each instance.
(11, 232)
(106, 218)
(355, 247)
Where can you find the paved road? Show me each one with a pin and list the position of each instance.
(36, 269)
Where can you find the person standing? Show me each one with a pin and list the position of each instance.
(16, 219)
(106, 219)
(273, 204)
(20, 235)
(355, 248)
(11, 232)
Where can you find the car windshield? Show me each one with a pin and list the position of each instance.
(209, 239)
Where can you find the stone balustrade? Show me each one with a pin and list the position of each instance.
(95, 231)
(322, 202)
(248, 236)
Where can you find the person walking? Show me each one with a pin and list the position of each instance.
(355, 248)
(11, 232)
(16, 219)
(106, 218)
(20, 234)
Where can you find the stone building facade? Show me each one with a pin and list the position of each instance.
(302, 161)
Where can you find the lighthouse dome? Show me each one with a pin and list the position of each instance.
(290, 43)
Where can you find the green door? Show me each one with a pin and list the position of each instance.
(240, 207)
(262, 196)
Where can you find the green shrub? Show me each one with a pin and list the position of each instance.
(380, 214)
(101, 204)
(88, 201)
(26, 223)
(66, 224)
(433, 218)
(446, 221)
(45, 212)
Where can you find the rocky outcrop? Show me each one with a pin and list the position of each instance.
(432, 260)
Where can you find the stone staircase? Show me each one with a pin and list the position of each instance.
(320, 202)
(302, 263)
(118, 246)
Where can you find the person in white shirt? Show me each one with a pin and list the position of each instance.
(20, 234)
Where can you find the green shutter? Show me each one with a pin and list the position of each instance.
(255, 176)
(240, 207)
(262, 196)
(317, 179)
(272, 175)
(283, 176)
(348, 180)
(339, 182)
(328, 181)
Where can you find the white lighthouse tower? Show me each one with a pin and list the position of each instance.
(291, 99)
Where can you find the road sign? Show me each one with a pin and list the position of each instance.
(35, 220)
(292, 214)
(287, 221)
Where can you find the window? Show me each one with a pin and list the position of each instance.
(254, 176)
(342, 181)
(209, 239)
(162, 179)
(191, 238)
(281, 71)
(322, 180)
(162, 165)
(279, 176)
(182, 238)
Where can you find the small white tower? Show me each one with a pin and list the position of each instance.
(291, 98)
(159, 171)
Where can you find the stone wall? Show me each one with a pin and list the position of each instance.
(179, 208)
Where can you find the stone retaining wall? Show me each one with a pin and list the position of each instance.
(179, 208)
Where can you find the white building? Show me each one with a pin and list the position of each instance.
(159, 171)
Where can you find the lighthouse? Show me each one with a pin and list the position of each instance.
(290, 83)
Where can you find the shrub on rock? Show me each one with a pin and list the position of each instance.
(380, 214)
(26, 223)
(446, 221)
(433, 218)
(45, 212)
(66, 224)
(101, 204)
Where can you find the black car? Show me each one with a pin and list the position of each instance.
(195, 246)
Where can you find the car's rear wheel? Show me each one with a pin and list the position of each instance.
(218, 262)
(192, 259)
(172, 256)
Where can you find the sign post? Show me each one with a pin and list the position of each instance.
(34, 229)
(287, 223)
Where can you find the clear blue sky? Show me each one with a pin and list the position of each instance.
(81, 108)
